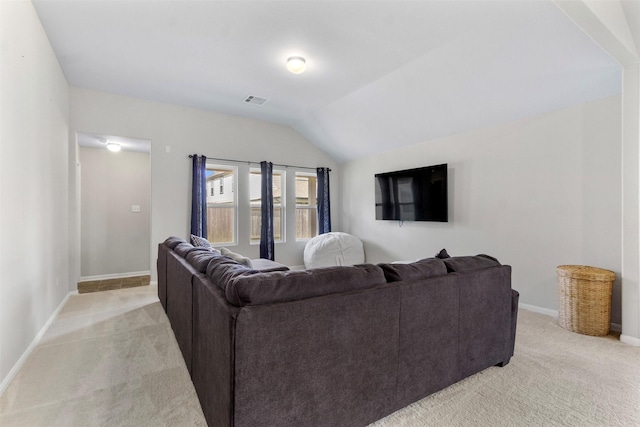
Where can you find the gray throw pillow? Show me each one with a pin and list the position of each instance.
(442, 254)
(200, 241)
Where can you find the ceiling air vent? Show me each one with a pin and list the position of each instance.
(255, 100)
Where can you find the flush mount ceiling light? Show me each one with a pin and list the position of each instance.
(296, 64)
(113, 146)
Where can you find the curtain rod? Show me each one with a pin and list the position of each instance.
(257, 163)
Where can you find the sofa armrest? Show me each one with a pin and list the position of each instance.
(179, 302)
(486, 336)
(214, 323)
(161, 265)
(515, 297)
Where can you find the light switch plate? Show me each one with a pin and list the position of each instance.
(135, 208)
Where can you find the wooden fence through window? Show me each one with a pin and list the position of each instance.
(220, 224)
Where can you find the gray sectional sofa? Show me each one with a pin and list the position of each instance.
(337, 346)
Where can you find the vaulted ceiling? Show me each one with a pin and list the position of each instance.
(380, 74)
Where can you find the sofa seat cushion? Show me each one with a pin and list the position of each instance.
(462, 264)
(423, 269)
(266, 265)
(244, 286)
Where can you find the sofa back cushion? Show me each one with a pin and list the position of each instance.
(183, 249)
(199, 259)
(423, 269)
(462, 264)
(173, 241)
(244, 286)
(221, 270)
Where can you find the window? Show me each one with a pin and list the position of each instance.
(221, 208)
(306, 206)
(255, 195)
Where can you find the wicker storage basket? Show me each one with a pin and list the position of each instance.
(584, 299)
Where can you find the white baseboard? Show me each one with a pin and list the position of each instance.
(541, 310)
(14, 371)
(616, 327)
(114, 276)
(153, 283)
(630, 340)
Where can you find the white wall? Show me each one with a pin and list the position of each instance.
(631, 202)
(535, 193)
(175, 132)
(115, 240)
(34, 112)
(613, 25)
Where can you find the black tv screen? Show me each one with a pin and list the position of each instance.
(413, 195)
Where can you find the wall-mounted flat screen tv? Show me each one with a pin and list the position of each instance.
(413, 195)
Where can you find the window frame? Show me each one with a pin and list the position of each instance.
(282, 206)
(313, 208)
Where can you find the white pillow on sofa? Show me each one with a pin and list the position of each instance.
(240, 259)
(331, 249)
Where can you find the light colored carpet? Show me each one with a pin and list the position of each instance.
(110, 359)
(556, 378)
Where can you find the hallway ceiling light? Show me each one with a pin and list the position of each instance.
(113, 146)
(296, 64)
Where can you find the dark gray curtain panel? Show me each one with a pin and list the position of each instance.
(199, 196)
(267, 246)
(324, 203)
